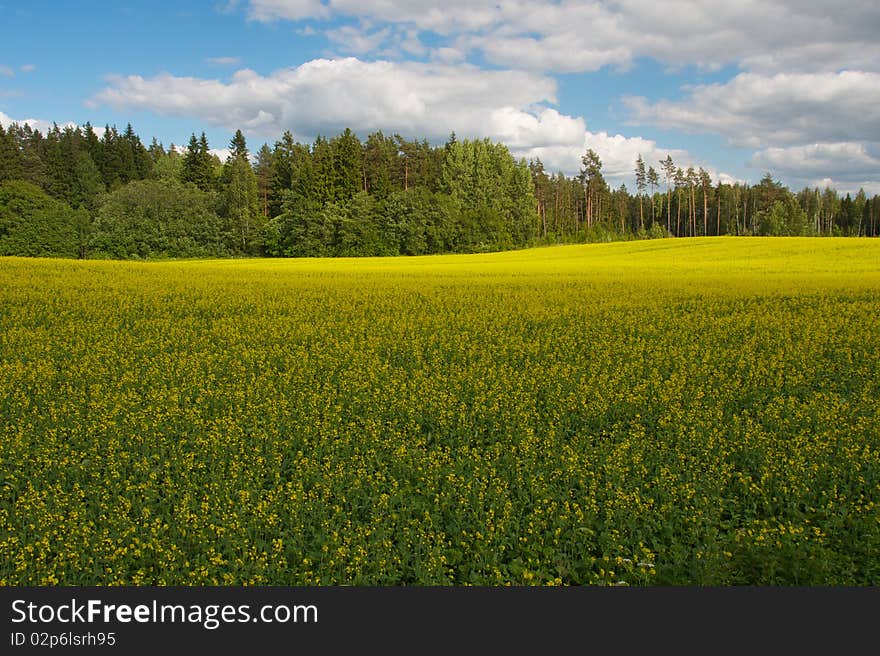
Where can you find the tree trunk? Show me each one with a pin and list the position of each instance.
(678, 215)
(641, 214)
(587, 205)
(556, 213)
(542, 212)
(705, 212)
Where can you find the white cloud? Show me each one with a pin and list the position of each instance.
(35, 123)
(358, 40)
(809, 69)
(584, 35)
(222, 153)
(28, 68)
(223, 61)
(784, 109)
(410, 43)
(450, 16)
(851, 165)
(448, 55)
(325, 96)
(6, 71)
(414, 99)
(270, 10)
(618, 154)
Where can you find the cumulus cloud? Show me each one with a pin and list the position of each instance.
(618, 154)
(28, 68)
(584, 35)
(415, 99)
(784, 109)
(808, 69)
(6, 71)
(854, 165)
(222, 153)
(34, 123)
(325, 96)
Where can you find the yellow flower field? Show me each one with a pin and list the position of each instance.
(702, 411)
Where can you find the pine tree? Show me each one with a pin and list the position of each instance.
(653, 182)
(691, 177)
(705, 186)
(640, 187)
(680, 180)
(591, 179)
(668, 167)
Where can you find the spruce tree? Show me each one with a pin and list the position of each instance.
(197, 163)
(238, 146)
(241, 197)
(264, 177)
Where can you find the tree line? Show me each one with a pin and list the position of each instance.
(72, 193)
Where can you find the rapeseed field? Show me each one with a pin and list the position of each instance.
(702, 411)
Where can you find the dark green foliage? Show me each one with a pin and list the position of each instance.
(380, 160)
(241, 204)
(169, 165)
(198, 167)
(264, 174)
(33, 224)
(396, 195)
(10, 157)
(159, 218)
(359, 232)
(348, 177)
(418, 222)
(303, 230)
(238, 146)
(784, 218)
(26, 154)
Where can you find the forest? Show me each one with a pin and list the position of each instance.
(73, 193)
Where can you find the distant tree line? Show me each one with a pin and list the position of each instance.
(71, 193)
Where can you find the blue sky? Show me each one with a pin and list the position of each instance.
(787, 86)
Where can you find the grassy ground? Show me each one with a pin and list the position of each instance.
(672, 411)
